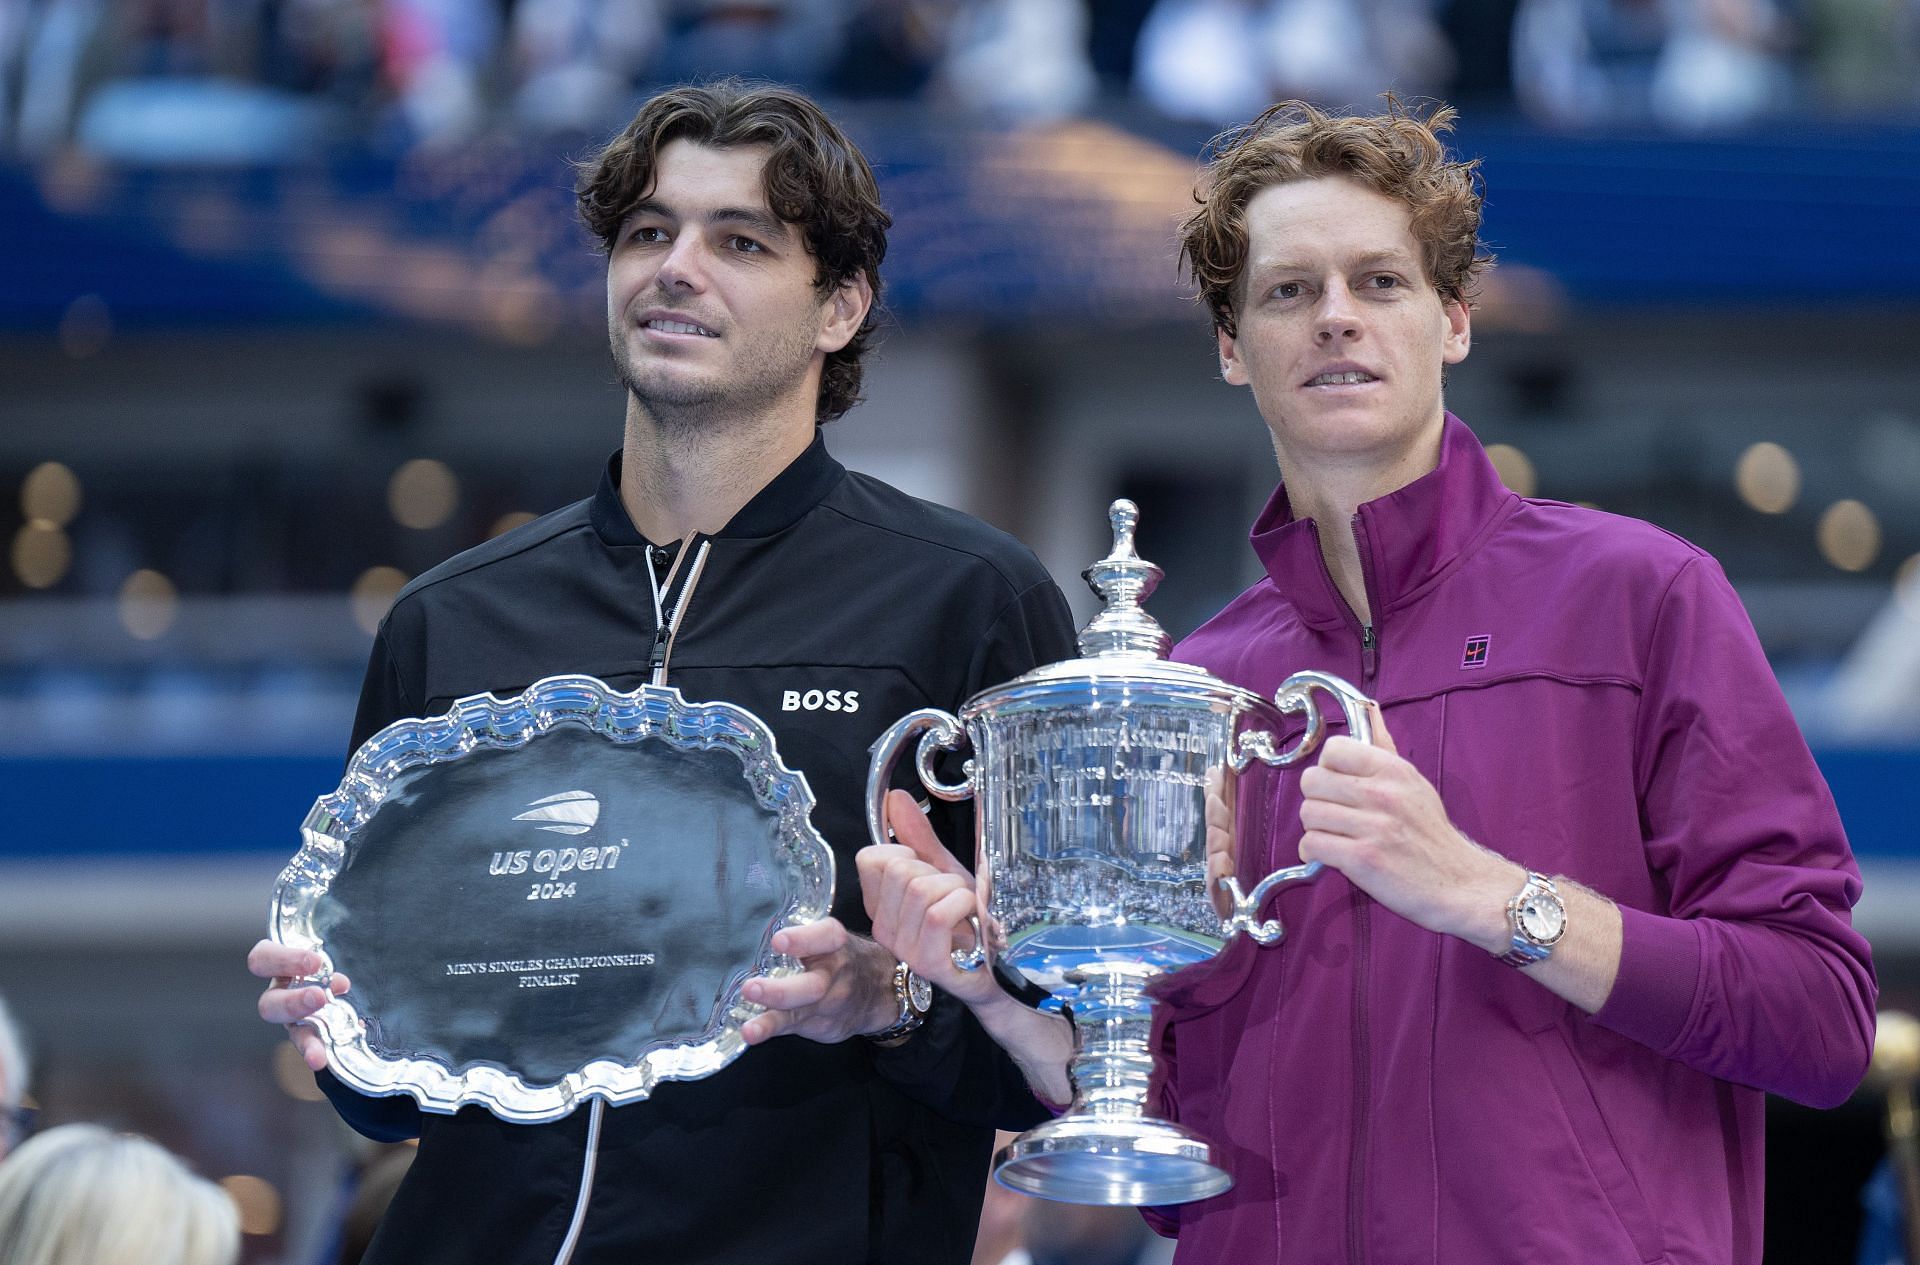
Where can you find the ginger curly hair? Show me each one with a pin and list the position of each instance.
(1398, 154)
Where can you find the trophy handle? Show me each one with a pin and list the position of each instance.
(1246, 906)
(940, 731)
(1294, 695)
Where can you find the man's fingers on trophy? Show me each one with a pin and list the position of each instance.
(307, 1042)
(1341, 754)
(811, 939)
(885, 869)
(911, 827)
(765, 1027)
(1219, 867)
(269, 959)
(281, 1004)
(1335, 818)
(946, 928)
(1381, 738)
(788, 992)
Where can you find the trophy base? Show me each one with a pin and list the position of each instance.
(1082, 1160)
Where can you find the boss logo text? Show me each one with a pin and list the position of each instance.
(820, 700)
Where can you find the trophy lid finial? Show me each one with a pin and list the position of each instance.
(1123, 580)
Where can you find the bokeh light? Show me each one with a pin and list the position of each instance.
(1849, 535)
(1515, 467)
(50, 494)
(373, 593)
(257, 1202)
(41, 555)
(423, 494)
(507, 522)
(292, 1074)
(149, 604)
(1906, 586)
(1768, 478)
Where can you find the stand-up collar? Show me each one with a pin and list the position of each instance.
(1408, 539)
(774, 508)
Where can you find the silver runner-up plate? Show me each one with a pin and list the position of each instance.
(552, 897)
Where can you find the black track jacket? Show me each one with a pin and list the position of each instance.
(830, 606)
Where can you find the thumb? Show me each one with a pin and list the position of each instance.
(910, 827)
(1381, 737)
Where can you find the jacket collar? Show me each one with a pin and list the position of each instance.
(774, 508)
(1409, 539)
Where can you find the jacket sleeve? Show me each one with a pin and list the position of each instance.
(1753, 972)
(383, 700)
(951, 1065)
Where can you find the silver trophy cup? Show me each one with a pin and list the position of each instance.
(1090, 780)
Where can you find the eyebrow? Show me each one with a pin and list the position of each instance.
(1370, 259)
(752, 217)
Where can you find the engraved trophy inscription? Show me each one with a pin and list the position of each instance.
(1090, 780)
(552, 897)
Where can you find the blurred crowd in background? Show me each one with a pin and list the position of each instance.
(150, 78)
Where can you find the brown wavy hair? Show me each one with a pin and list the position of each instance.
(815, 179)
(1397, 154)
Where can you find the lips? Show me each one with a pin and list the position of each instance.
(671, 323)
(1341, 376)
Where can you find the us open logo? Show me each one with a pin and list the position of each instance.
(568, 813)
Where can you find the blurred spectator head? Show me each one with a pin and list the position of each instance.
(13, 1081)
(815, 179)
(82, 1195)
(1397, 154)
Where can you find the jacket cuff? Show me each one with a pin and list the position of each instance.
(1659, 975)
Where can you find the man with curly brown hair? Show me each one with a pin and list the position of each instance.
(1586, 895)
(726, 553)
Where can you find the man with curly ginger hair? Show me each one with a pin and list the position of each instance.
(1586, 895)
(727, 554)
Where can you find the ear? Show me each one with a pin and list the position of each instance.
(844, 311)
(1459, 336)
(1231, 367)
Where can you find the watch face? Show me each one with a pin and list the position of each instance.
(919, 993)
(1542, 920)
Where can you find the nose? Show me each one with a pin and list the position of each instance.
(1337, 318)
(683, 268)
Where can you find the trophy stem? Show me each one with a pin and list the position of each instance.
(1106, 1149)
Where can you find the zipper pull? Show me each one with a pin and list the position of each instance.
(1368, 646)
(657, 657)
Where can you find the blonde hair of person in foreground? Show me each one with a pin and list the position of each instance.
(82, 1195)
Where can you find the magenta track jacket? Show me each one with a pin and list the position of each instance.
(1588, 696)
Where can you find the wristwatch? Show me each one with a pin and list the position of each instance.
(1537, 918)
(915, 996)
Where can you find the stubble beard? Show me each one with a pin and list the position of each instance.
(686, 405)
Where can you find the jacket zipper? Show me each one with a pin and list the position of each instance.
(666, 626)
(1369, 644)
(667, 619)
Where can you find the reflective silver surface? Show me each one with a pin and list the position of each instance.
(1090, 780)
(552, 897)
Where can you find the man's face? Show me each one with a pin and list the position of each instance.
(1341, 336)
(711, 303)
